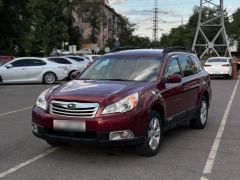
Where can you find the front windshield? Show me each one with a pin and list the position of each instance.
(124, 69)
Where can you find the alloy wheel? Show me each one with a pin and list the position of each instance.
(203, 112)
(154, 133)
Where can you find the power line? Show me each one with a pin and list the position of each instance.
(155, 20)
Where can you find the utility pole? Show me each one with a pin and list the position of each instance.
(155, 28)
(218, 44)
(155, 21)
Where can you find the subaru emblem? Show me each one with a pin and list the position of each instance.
(72, 106)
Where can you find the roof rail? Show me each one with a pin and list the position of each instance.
(124, 48)
(177, 49)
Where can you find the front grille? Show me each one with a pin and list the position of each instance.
(74, 109)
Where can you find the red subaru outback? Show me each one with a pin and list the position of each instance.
(126, 97)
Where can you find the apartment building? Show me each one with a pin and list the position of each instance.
(109, 28)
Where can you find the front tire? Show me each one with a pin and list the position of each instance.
(200, 121)
(153, 137)
(70, 75)
(49, 78)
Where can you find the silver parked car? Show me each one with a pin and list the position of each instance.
(71, 64)
(31, 69)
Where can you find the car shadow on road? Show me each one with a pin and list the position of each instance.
(123, 151)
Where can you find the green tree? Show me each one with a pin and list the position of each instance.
(14, 28)
(49, 24)
(184, 34)
(234, 27)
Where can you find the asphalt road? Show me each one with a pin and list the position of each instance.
(183, 155)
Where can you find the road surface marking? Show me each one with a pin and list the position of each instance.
(212, 155)
(12, 112)
(21, 165)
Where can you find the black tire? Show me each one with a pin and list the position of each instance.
(56, 143)
(200, 121)
(49, 78)
(145, 149)
(229, 77)
(70, 75)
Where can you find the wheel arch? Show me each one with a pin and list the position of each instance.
(159, 108)
(49, 72)
(206, 94)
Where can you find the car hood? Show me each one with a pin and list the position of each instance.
(96, 91)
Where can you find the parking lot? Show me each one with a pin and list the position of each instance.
(185, 153)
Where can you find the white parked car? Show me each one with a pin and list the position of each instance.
(31, 69)
(219, 66)
(72, 65)
(92, 58)
(85, 51)
(82, 60)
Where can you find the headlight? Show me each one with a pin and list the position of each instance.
(42, 98)
(123, 105)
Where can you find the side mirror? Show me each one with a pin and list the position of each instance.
(75, 74)
(174, 78)
(9, 66)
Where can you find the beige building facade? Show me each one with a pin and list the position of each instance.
(109, 28)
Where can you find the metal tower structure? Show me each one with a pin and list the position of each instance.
(155, 21)
(208, 22)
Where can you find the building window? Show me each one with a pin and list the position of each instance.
(85, 20)
(86, 41)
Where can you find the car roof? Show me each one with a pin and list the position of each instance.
(28, 58)
(138, 52)
(221, 57)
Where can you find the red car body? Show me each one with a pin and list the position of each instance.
(175, 102)
(5, 59)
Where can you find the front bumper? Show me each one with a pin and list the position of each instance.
(97, 129)
(82, 138)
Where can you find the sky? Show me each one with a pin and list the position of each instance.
(173, 13)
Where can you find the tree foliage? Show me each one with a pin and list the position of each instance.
(49, 21)
(14, 28)
(184, 34)
(234, 27)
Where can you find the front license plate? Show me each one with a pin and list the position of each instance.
(66, 125)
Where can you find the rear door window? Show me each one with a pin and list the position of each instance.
(36, 62)
(60, 60)
(187, 65)
(197, 64)
(78, 59)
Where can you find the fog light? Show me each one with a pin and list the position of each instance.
(121, 135)
(34, 127)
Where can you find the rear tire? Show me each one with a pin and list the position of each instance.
(49, 78)
(55, 143)
(200, 121)
(153, 136)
